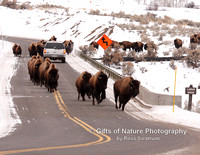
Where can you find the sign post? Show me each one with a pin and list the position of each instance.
(174, 88)
(191, 91)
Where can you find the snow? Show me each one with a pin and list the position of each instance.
(42, 24)
(8, 115)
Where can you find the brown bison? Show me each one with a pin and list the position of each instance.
(138, 46)
(95, 45)
(125, 88)
(82, 85)
(178, 43)
(30, 63)
(51, 77)
(35, 71)
(42, 41)
(98, 84)
(17, 50)
(32, 49)
(193, 38)
(14, 48)
(39, 48)
(53, 38)
(42, 69)
(127, 45)
(115, 44)
(31, 66)
(69, 45)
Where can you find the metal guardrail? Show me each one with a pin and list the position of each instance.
(145, 95)
(114, 75)
(149, 58)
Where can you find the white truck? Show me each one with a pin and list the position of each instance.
(54, 50)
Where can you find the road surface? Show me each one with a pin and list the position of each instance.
(57, 123)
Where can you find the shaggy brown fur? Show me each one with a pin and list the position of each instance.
(178, 43)
(82, 85)
(51, 77)
(125, 89)
(98, 85)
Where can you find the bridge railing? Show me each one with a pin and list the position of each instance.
(145, 95)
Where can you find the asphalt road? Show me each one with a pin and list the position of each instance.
(57, 123)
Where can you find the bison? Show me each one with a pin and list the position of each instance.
(127, 45)
(195, 38)
(32, 49)
(178, 43)
(95, 45)
(42, 41)
(125, 88)
(35, 71)
(53, 38)
(115, 44)
(51, 77)
(39, 48)
(30, 63)
(98, 84)
(82, 85)
(42, 69)
(14, 48)
(69, 45)
(17, 50)
(138, 46)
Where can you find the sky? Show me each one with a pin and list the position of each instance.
(41, 24)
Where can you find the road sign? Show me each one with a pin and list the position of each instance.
(190, 90)
(104, 42)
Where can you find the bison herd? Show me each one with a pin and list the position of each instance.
(43, 72)
(96, 85)
(38, 47)
(17, 50)
(137, 46)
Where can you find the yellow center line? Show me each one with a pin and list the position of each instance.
(102, 138)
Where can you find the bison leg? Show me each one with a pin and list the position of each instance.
(98, 98)
(93, 98)
(116, 97)
(120, 104)
(103, 96)
(123, 106)
(83, 96)
(123, 102)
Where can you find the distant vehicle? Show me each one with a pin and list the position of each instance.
(54, 50)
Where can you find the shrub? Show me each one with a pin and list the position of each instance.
(128, 68)
(179, 52)
(84, 49)
(143, 69)
(151, 49)
(193, 46)
(112, 57)
(94, 12)
(192, 58)
(190, 5)
(10, 4)
(172, 65)
(152, 7)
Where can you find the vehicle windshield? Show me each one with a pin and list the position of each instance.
(55, 45)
